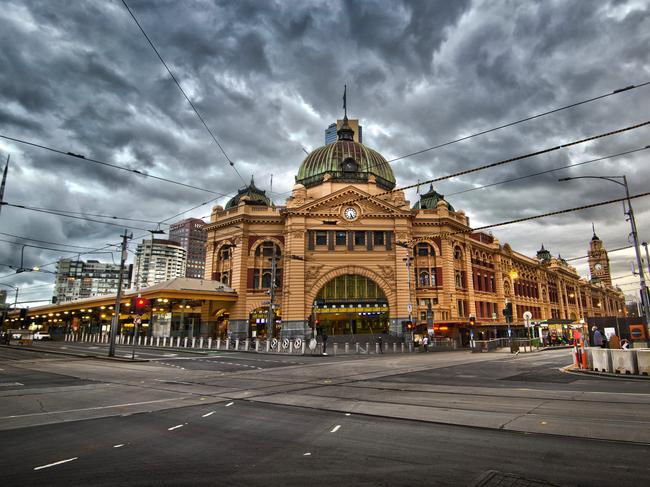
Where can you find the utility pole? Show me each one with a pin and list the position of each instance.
(647, 257)
(270, 320)
(118, 297)
(407, 260)
(4, 182)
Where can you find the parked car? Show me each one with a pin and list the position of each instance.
(40, 335)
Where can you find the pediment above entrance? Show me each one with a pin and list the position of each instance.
(334, 204)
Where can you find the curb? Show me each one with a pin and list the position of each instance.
(71, 354)
(572, 369)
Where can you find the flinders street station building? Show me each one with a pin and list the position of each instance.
(348, 255)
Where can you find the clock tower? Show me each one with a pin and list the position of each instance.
(598, 261)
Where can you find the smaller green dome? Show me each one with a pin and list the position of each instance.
(254, 196)
(430, 200)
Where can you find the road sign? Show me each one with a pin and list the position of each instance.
(266, 303)
(137, 320)
(410, 308)
(528, 315)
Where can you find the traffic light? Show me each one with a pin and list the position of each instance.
(507, 312)
(23, 313)
(140, 306)
(472, 321)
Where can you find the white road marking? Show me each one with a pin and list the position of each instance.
(306, 454)
(55, 463)
(118, 446)
(208, 414)
(336, 428)
(175, 427)
(90, 409)
(8, 384)
(347, 414)
(230, 404)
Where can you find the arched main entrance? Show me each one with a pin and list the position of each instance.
(351, 304)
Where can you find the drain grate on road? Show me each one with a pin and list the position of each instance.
(494, 478)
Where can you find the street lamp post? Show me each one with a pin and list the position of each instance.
(635, 237)
(407, 260)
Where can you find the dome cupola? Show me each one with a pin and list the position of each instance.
(430, 200)
(250, 195)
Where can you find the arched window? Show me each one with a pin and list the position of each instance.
(222, 263)
(260, 276)
(423, 279)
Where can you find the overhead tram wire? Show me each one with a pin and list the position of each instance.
(528, 218)
(44, 241)
(108, 164)
(232, 164)
(547, 171)
(609, 252)
(502, 162)
(532, 117)
(112, 217)
(24, 207)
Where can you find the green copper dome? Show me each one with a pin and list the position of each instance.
(430, 200)
(254, 196)
(345, 160)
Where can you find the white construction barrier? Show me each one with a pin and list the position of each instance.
(602, 359)
(643, 361)
(624, 362)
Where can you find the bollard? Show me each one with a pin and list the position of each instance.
(257, 345)
(268, 345)
(164, 344)
(347, 347)
(335, 348)
(209, 342)
(394, 347)
(377, 348)
(247, 344)
(178, 342)
(291, 347)
(402, 347)
(193, 342)
(218, 343)
(302, 349)
(236, 343)
(227, 343)
(356, 347)
(185, 340)
(368, 348)
(201, 342)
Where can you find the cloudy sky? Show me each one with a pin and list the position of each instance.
(268, 78)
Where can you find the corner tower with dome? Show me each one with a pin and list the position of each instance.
(349, 254)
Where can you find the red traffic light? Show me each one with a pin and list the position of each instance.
(140, 306)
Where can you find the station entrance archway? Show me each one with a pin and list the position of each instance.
(351, 304)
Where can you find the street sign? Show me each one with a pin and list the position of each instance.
(410, 308)
(137, 320)
(266, 303)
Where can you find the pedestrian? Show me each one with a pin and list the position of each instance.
(614, 342)
(380, 340)
(598, 337)
(324, 342)
(425, 343)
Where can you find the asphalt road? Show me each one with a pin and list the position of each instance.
(243, 443)
(430, 419)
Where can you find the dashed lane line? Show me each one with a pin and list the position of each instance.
(175, 427)
(230, 404)
(55, 463)
(208, 414)
(118, 446)
(335, 429)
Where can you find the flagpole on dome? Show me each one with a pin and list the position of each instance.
(345, 101)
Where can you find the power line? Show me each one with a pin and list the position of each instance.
(232, 164)
(528, 218)
(532, 117)
(24, 207)
(108, 164)
(44, 241)
(609, 251)
(503, 162)
(547, 171)
(96, 215)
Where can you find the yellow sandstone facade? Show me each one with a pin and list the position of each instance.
(355, 259)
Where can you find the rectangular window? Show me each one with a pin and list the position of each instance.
(360, 238)
(423, 315)
(340, 238)
(321, 238)
(378, 238)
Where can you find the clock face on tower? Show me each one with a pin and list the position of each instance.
(350, 213)
(598, 267)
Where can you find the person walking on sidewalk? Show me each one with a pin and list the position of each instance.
(425, 343)
(598, 337)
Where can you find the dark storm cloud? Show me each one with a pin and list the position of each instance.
(268, 77)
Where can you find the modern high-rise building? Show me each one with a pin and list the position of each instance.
(190, 234)
(158, 260)
(76, 279)
(331, 131)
